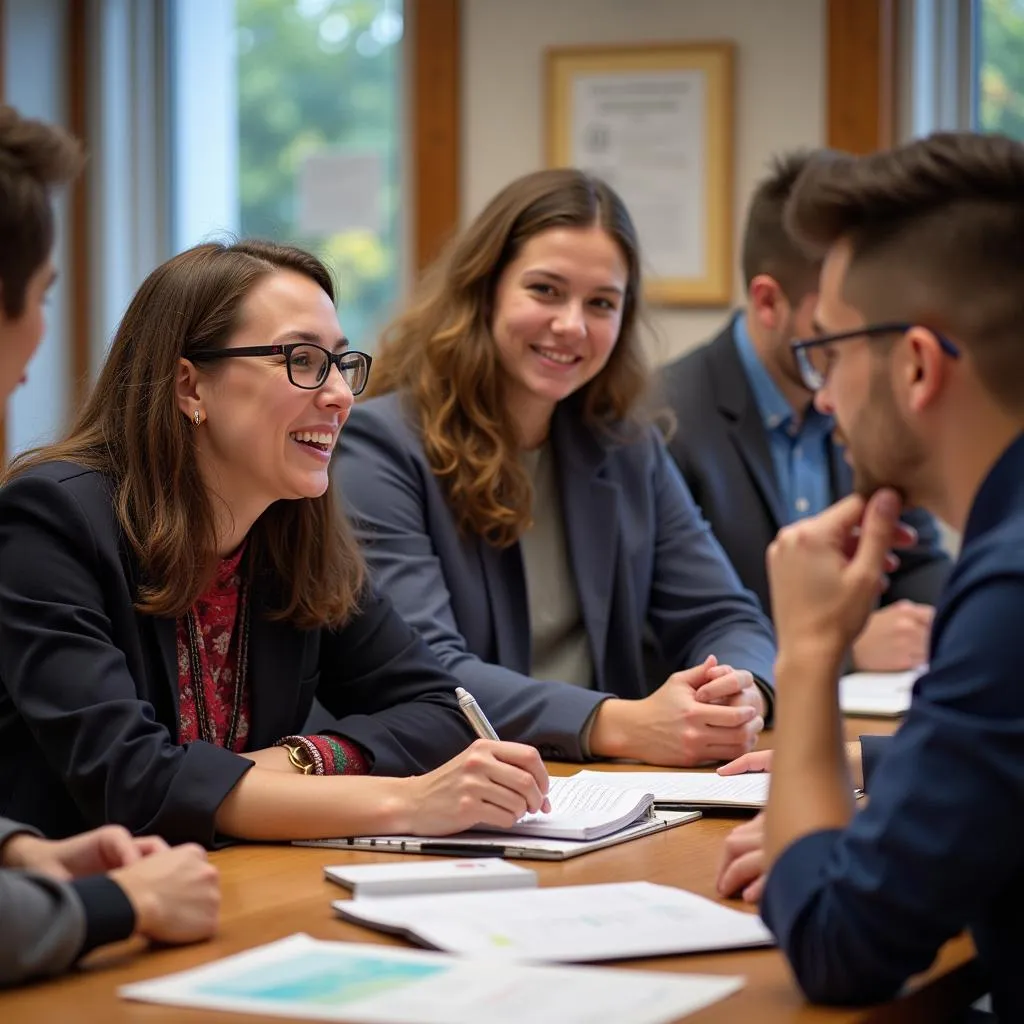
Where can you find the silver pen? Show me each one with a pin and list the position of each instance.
(474, 715)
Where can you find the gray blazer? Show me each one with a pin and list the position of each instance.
(48, 925)
(646, 565)
(721, 448)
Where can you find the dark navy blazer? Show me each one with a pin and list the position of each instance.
(89, 686)
(645, 563)
(940, 846)
(722, 450)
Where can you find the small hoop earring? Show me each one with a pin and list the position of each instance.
(197, 418)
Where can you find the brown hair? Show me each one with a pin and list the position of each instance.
(441, 355)
(132, 431)
(768, 248)
(35, 158)
(936, 232)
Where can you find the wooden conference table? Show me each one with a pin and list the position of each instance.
(273, 891)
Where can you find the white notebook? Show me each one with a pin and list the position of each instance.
(419, 877)
(881, 694)
(613, 921)
(308, 979)
(691, 789)
(583, 808)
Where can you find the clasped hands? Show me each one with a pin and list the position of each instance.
(701, 715)
(174, 892)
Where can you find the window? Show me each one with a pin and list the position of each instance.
(287, 125)
(35, 81)
(1000, 66)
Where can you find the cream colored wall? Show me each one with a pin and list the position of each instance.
(779, 95)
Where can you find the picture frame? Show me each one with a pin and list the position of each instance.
(656, 122)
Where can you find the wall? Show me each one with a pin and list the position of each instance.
(779, 95)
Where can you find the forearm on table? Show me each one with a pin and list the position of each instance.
(811, 784)
(272, 805)
(612, 729)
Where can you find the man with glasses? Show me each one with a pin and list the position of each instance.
(920, 360)
(755, 452)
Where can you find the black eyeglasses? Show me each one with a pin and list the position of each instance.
(308, 365)
(814, 362)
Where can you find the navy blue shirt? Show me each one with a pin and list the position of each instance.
(940, 846)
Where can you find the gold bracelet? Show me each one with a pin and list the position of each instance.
(298, 757)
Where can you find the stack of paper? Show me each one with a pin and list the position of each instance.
(613, 921)
(299, 977)
(690, 789)
(882, 694)
(430, 876)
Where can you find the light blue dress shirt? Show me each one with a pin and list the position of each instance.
(800, 452)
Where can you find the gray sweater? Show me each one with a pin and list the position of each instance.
(46, 926)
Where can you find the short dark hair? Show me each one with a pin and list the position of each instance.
(936, 231)
(35, 158)
(768, 248)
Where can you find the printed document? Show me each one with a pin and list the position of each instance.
(612, 921)
(691, 789)
(583, 808)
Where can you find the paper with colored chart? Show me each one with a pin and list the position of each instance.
(304, 978)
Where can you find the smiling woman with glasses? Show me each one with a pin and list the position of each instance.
(814, 356)
(176, 586)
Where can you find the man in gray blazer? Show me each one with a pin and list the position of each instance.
(755, 452)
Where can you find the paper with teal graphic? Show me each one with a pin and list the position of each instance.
(323, 978)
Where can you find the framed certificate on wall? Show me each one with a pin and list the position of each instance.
(656, 123)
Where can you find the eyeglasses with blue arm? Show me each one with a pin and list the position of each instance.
(814, 355)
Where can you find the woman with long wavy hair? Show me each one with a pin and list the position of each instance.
(176, 587)
(516, 503)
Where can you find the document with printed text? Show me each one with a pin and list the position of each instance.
(583, 808)
(691, 789)
(576, 923)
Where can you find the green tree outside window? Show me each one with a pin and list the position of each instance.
(315, 76)
(1001, 70)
